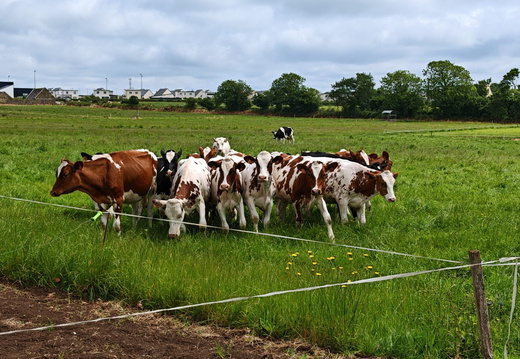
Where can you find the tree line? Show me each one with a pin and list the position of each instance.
(446, 91)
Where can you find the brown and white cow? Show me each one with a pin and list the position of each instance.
(352, 185)
(258, 187)
(111, 180)
(301, 181)
(226, 189)
(222, 144)
(191, 190)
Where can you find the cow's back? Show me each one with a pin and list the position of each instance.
(137, 170)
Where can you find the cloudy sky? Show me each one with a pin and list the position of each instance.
(198, 44)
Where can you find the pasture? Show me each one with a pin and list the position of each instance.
(457, 190)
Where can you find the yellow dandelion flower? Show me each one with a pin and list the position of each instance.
(298, 273)
(289, 263)
(349, 253)
(377, 273)
(340, 268)
(312, 270)
(286, 267)
(331, 258)
(333, 268)
(311, 255)
(309, 252)
(354, 272)
(350, 259)
(318, 273)
(294, 255)
(349, 281)
(343, 286)
(365, 255)
(370, 267)
(314, 263)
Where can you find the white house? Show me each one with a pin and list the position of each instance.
(183, 94)
(139, 93)
(163, 93)
(58, 92)
(8, 88)
(102, 93)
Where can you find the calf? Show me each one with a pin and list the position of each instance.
(222, 145)
(301, 182)
(258, 187)
(111, 180)
(226, 189)
(191, 190)
(284, 133)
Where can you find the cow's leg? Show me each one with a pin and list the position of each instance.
(117, 217)
(241, 215)
(280, 209)
(343, 211)
(361, 214)
(298, 211)
(137, 209)
(222, 214)
(267, 211)
(202, 214)
(149, 210)
(322, 206)
(250, 203)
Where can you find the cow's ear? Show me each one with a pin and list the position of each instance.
(240, 166)
(163, 152)
(302, 167)
(277, 159)
(385, 155)
(373, 156)
(178, 155)
(396, 174)
(213, 165)
(78, 165)
(159, 203)
(249, 159)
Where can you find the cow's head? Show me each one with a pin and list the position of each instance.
(228, 173)
(67, 179)
(174, 209)
(264, 165)
(316, 172)
(385, 181)
(222, 145)
(170, 161)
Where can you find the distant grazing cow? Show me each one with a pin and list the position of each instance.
(226, 189)
(111, 180)
(300, 181)
(258, 187)
(191, 190)
(284, 133)
(222, 144)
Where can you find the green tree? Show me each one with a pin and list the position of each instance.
(354, 94)
(402, 91)
(504, 104)
(289, 95)
(234, 95)
(262, 100)
(207, 103)
(449, 89)
(190, 103)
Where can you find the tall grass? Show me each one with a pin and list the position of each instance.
(456, 191)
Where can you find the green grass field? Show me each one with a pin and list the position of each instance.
(457, 190)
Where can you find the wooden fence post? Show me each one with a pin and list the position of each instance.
(480, 299)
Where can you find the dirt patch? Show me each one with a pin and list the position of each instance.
(147, 336)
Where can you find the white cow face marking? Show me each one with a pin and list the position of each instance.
(263, 159)
(175, 212)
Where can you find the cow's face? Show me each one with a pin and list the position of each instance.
(385, 185)
(174, 210)
(170, 159)
(222, 145)
(264, 166)
(67, 178)
(228, 173)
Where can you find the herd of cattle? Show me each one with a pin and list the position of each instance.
(223, 179)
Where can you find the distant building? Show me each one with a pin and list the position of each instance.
(163, 93)
(58, 92)
(40, 96)
(103, 94)
(183, 94)
(142, 94)
(389, 115)
(22, 92)
(8, 88)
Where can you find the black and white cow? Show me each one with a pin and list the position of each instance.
(284, 133)
(166, 168)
